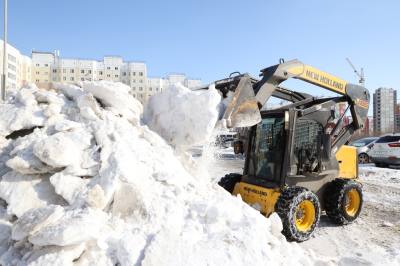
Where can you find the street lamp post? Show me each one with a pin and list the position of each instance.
(4, 76)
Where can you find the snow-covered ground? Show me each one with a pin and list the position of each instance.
(373, 239)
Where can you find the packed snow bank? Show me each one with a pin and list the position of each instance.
(88, 183)
(183, 117)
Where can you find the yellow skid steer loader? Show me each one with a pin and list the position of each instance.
(297, 162)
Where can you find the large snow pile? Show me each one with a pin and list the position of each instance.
(84, 182)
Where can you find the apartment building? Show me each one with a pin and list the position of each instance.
(18, 67)
(384, 105)
(397, 116)
(49, 67)
(42, 64)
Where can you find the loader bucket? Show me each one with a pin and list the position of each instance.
(242, 110)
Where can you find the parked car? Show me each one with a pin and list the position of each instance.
(225, 139)
(386, 151)
(363, 146)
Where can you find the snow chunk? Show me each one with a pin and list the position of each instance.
(116, 97)
(69, 90)
(23, 160)
(23, 114)
(24, 192)
(63, 149)
(35, 219)
(54, 255)
(68, 186)
(183, 117)
(6, 147)
(75, 226)
(5, 234)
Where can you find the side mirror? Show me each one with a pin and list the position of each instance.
(238, 147)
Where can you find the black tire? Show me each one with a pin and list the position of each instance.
(288, 205)
(363, 158)
(381, 165)
(340, 200)
(229, 181)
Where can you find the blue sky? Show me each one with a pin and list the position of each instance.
(209, 39)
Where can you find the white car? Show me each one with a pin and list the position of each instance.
(363, 146)
(386, 151)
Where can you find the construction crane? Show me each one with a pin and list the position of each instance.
(359, 74)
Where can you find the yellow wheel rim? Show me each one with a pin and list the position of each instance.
(304, 216)
(352, 202)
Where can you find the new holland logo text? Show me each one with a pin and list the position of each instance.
(324, 80)
(252, 190)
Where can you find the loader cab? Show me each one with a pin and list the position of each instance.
(284, 149)
(266, 150)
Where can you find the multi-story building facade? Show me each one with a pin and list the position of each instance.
(384, 105)
(18, 67)
(49, 67)
(397, 116)
(42, 64)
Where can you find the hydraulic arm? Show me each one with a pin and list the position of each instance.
(248, 95)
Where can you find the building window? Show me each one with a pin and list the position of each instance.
(72, 71)
(150, 89)
(37, 72)
(100, 72)
(46, 65)
(108, 75)
(72, 78)
(82, 71)
(156, 89)
(90, 71)
(12, 67)
(133, 73)
(64, 78)
(37, 81)
(54, 70)
(37, 65)
(140, 73)
(82, 79)
(124, 73)
(116, 68)
(116, 76)
(141, 81)
(140, 88)
(108, 68)
(12, 58)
